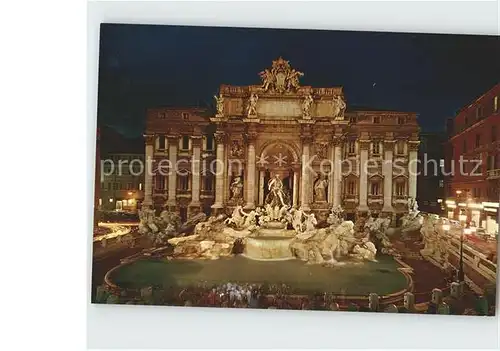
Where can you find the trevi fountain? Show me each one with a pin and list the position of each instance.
(274, 242)
(275, 232)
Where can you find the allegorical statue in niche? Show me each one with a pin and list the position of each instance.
(236, 188)
(339, 107)
(276, 196)
(320, 189)
(306, 106)
(252, 105)
(220, 104)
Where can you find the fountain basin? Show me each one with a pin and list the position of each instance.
(271, 242)
(383, 277)
(269, 248)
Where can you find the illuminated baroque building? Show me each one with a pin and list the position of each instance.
(307, 136)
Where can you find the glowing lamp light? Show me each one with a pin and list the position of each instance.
(130, 193)
(459, 192)
(440, 200)
(110, 200)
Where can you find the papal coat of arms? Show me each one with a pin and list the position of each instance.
(281, 77)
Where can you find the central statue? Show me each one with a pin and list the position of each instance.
(277, 196)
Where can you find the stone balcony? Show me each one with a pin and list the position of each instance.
(493, 174)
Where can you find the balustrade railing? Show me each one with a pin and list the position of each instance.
(493, 173)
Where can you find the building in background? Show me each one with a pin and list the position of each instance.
(473, 189)
(182, 139)
(431, 155)
(122, 172)
(305, 136)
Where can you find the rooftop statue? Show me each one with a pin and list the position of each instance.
(220, 104)
(280, 78)
(339, 107)
(252, 105)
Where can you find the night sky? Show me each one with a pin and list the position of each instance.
(144, 66)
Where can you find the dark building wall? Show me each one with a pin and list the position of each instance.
(430, 180)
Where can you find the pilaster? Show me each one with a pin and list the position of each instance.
(195, 172)
(173, 144)
(220, 139)
(412, 167)
(148, 170)
(387, 173)
(364, 145)
(250, 138)
(306, 138)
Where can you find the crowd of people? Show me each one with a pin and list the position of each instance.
(235, 295)
(232, 295)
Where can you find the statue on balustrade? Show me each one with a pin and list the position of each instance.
(306, 106)
(339, 107)
(252, 105)
(220, 104)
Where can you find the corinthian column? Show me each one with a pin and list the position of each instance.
(331, 176)
(195, 170)
(250, 176)
(148, 172)
(363, 176)
(387, 173)
(261, 188)
(412, 168)
(173, 142)
(305, 186)
(295, 188)
(220, 170)
(337, 172)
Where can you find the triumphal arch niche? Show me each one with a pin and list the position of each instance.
(296, 133)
